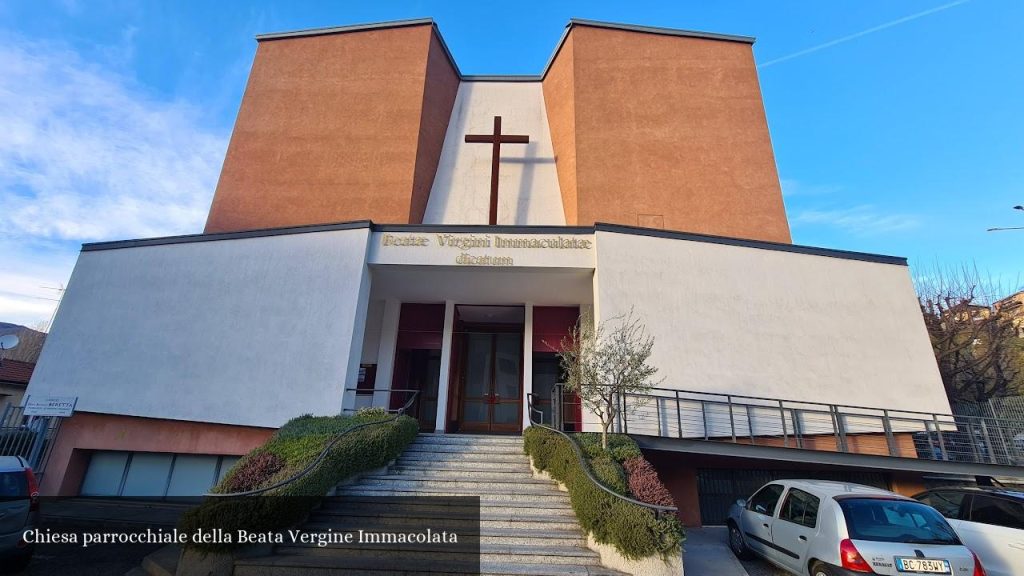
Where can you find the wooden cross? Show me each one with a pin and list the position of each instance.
(496, 140)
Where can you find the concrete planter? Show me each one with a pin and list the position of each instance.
(612, 558)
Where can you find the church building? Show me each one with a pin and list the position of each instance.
(384, 223)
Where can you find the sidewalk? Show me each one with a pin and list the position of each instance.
(706, 553)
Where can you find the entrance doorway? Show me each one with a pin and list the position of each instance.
(490, 369)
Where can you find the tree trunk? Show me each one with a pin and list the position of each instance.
(604, 434)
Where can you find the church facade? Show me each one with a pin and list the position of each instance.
(368, 238)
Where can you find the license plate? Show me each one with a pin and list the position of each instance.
(922, 565)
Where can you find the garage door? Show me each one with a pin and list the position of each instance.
(153, 474)
(720, 488)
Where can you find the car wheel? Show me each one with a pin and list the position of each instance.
(822, 569)
(737, 545)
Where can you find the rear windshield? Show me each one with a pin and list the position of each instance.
(13, 485)
(880, 520)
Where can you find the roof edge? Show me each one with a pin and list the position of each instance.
(498, 77)
(502, 229)
(749, 243)
(343, 29)
(662, 31)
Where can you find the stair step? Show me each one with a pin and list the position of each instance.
(515, 473)
(540, 498)
(325, 566)
(525, 554)
(523, 534)
(515, 485)
(562, 521)
(452, 457)
(469, 440)
(461, 448)
(371, 507)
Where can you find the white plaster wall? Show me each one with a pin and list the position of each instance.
(248, 331)
(528, 191)
(757, 322)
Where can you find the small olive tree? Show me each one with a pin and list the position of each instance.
(605, 361)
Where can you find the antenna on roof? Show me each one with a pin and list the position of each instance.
(7, 341)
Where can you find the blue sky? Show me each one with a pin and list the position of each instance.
(898, 127)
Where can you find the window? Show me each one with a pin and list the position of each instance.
(907, 521)
(947, 502)
(765, 500)
(997, 511)
(800, 508)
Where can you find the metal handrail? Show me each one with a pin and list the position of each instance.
(323, 453)
(658, 510)
(947, 437)
(670, 392)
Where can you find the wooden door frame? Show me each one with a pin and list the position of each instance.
(493, 330)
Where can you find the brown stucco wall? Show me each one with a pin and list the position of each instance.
(560, 104)
(669, 131)
(330, 130)
(84, 432)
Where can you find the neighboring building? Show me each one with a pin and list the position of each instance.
(351, 249)
(14, 378)
(1013, 307)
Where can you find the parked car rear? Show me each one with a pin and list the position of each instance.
(19, 511)
(989, 521)
(819, 528)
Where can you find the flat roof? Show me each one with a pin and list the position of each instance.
(573, 22)
(501, 229)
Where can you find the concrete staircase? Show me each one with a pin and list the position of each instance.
(526, 525)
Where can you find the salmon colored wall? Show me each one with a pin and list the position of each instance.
(560, 104)
(337, 127)
(681, 480)
(873, 444)
(668, 131)
(906, 483)
(87, 431)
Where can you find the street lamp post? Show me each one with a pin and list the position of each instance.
(1017, 207)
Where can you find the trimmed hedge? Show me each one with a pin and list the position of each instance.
(296, 445)
(644, 483)
(620, 446)
(634, 530)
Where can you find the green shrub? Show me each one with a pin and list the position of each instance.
(620, 446)
(634, 530)
(297, 444)
(610, 473)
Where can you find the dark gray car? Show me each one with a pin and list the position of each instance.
(19, 511)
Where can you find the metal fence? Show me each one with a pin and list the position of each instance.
(31, 437)
(774, 422)
(1008, 408)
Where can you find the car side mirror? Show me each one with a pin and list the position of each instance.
(742, 502)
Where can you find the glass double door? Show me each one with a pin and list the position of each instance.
(492, 387)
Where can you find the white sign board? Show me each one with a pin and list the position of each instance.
(50, 405)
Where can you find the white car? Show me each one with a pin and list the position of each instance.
(820, 528)
(989, 521)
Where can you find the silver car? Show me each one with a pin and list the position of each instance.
(819, 528)
(19, 511)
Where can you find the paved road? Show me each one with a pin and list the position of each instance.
(707, 554)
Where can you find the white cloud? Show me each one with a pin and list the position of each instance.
(85, 155)
(863, 220)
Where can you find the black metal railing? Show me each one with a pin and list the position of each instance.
(658, 510)
(689, 414)
(395, 414)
